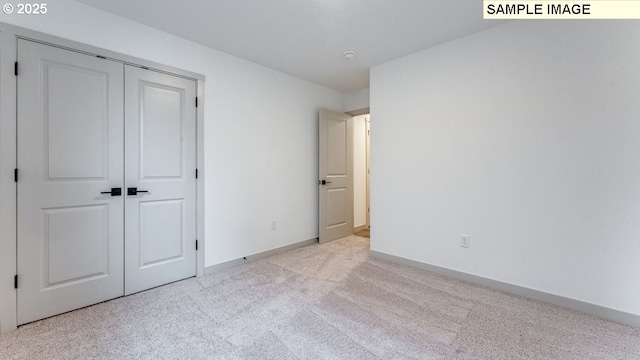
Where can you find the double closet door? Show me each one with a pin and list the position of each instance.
(106, 180)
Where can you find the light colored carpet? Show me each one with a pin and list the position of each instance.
(328, 301)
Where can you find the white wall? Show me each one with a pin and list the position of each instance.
(526, 137)
(356, 100)
(260, 130)
(360, 170)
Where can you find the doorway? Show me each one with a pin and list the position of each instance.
(343, 169)
(361, 173)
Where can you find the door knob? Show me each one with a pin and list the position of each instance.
(113, 192)
(323, 182)
(135, 191)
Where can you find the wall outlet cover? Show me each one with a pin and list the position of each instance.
(465, 241)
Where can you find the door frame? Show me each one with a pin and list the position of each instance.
(8, 156)
(368, 151)
(366, 111)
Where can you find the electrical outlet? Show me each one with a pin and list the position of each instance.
(274, 225)
(465, 241)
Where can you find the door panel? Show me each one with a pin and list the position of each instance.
(336, 149)
(90, 237)
(337, 201)
(75, 146)
(161, 124)
(70, 149)
(160, 158)
(161, 238)
(336, 169)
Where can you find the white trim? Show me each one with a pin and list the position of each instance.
(577, 305)
(249, 258)
(8, 56)
(95, 51)
(364, 111)
(200, 181)
(367, 137)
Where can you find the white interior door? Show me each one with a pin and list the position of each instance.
(160, 162)
(336, 175)
(70, 150)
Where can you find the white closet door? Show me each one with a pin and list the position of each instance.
(70, 149)
(160, 164)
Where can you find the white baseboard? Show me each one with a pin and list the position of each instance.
(596, 310)
(249, 258)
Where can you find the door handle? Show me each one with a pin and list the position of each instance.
(113, 192)
(323, 182)
(134, 191)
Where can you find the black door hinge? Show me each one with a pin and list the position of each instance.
(196, 173)
(196, 245)
(15, 175)
(15, 282)
(15, 68)
(196, 101)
